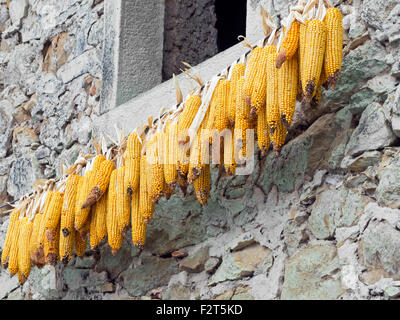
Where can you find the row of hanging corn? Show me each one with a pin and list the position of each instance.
(99, 198)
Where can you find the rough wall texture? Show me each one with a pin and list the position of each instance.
(321, 221)
(189, 35)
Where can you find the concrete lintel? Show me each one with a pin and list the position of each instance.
(135, 112)
(132, 51)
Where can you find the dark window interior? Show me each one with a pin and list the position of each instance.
(231, 22)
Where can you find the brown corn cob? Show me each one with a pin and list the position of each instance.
(202, 185)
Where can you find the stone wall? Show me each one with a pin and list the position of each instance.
(320, 221)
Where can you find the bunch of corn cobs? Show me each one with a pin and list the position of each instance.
(100, 197)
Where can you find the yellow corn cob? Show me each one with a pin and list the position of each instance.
(46, 212)
(93, 239)
(67, 230)
(51, 249)
(81, 240)
(101, 181)
(146, 206)
(100, 211)
(278, 138)
(13, 258)
(302, 46)
(198, 150)
(202, 185)
(34, 241)
(171, 154)
(258, 94)
(156, 169)
(10, 237)
(97, 162)
(185, 119)
(289, 45)
(287, 89)
(114, 236)
(242, 118)
(263, 139)
(221, 114)
(52, 220)
(272, 101)
(123, 202)
(139, 225)
(81, 215)
(251, 71)
(334, 45)
(132, 163)
(314, 50)
(237, 72)
(212, 109)
(24, 259)
(229, 155)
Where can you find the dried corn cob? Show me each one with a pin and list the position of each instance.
(287, 89)
(101, 181)
(13, 256)
(51, 248)
(34, 241)
(171, 154)
(202, 185)
(242, 118)
(263, 139)
(145, 204)
(315, 44)
(97, 162)
(289, 45)
(278, 138)
(93, 239)
(156, 169)
(139, 225)
(185, 119)
(302, 46)
(237, 72)
(81, 241)
(10, 236)
(81, 215)
(229, 154)
(334, 45)
(24, 259)
(67, 230)
(221, 114)
(132, 163)
(123, 202)
(100, 212)
(114, 236)
(251, 71)
(272, 101)
(52, 220)
(46, 212)
(258, 94)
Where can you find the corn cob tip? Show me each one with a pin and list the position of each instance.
(5, 265)
(310, 88)
(202, 196)
(51, 258)
(93, 197)
(332, 80)
(38, 257)
(280, 59)
(65, 260)
(157, 197)
(22, 279)
(139, 246)
(263, 152)
(114, 252)
(253, 113)
(277, 149)
(285, 121)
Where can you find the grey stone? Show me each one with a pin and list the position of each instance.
(23, 174)
(7, 284)
(242, 263)
(362, 162)
(371, 133)
(195, 261)
(5, 165)
(78, 66)
(82, 130)
(212, 264)
(242, 241)
(76, 279)
(380, 247)
(387, 192)
(18, 9)
(178, 289)
(152, 272)
(50, 135)
(23, 139)
(344, 233)
(332, 209)
(310, 274)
